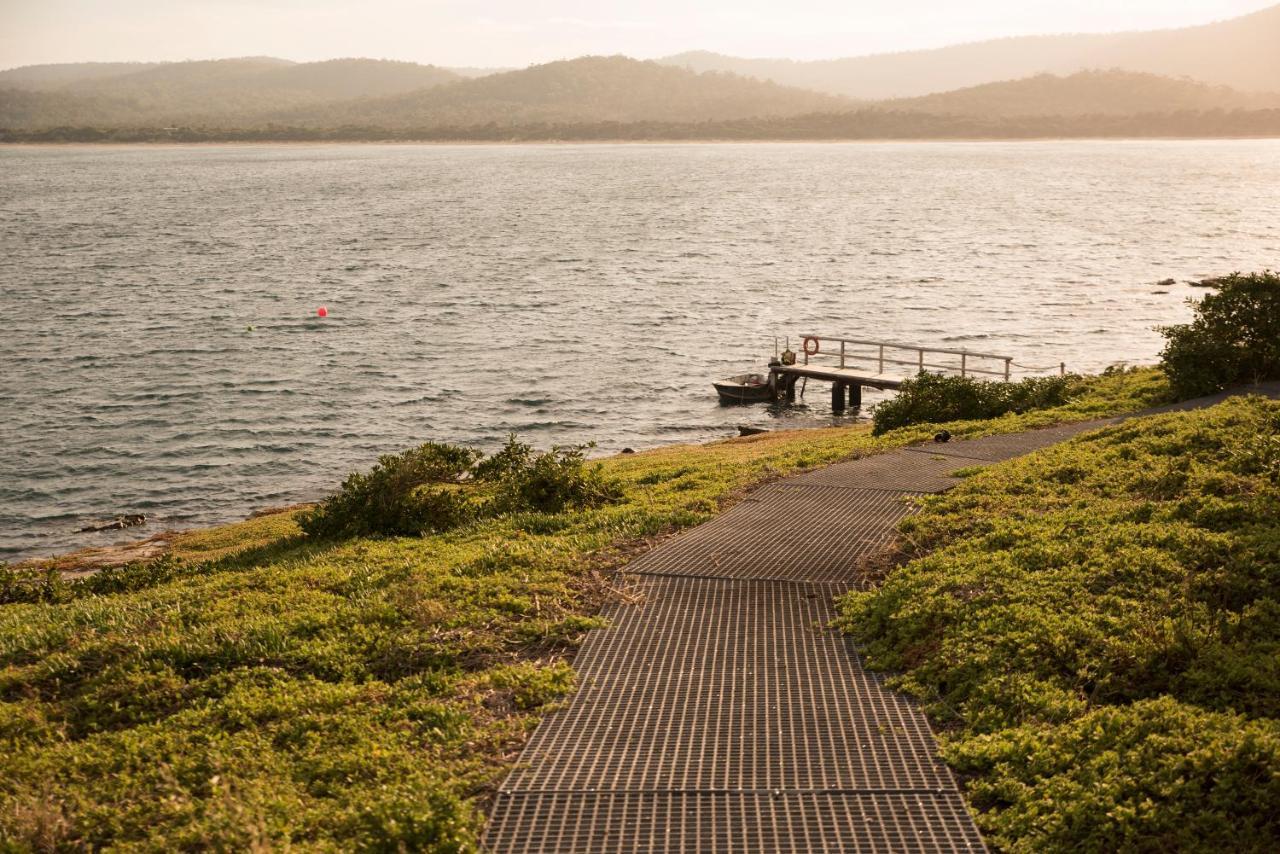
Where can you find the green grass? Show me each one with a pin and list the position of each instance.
(259, 689)
(1097, 628)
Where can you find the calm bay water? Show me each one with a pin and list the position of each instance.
(160, 352)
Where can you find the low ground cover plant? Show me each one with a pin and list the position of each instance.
(1098, 628)
(266, 689)
(1233, 339)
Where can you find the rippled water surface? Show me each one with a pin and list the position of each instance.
(160, 352)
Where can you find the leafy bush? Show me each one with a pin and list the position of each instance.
(405, 493)
(1233, 339)
(935, 399)
(549, 482)
(437, 487)
(1053, 602)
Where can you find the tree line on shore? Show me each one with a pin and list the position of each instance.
(857, 125)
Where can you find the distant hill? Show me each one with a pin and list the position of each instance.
(473, 71)
(225, 91)
(1088, 93)
(592, 88)
(1241, 53)
(44, 77)
(598, 98)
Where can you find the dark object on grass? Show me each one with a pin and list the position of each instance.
(628, 450)
(132, 520)
(942, 436)
(743, 430)
(1233, 339)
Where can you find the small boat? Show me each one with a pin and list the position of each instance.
(744, 388)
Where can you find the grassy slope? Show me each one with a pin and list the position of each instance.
(1098, 625)
(266, 690)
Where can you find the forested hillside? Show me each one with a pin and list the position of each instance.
(1240, 53)
(57, 75)
(592, 88)
(1088, 93)
(590, 98)
(226, 92)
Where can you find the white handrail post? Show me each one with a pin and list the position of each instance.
(881, 359)
(1007, 364)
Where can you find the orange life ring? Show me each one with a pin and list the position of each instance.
(816, 346)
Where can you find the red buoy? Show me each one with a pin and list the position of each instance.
(322, 311)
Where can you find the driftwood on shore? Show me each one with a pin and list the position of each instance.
(119, 523)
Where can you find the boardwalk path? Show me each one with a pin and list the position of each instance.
(718, 714)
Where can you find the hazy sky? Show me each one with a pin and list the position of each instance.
(520, 32)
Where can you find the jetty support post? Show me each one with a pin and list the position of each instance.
(855, 395)
(837, 397)
(790, 383)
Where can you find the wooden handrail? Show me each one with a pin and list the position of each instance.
(919, 360)
(911, 347)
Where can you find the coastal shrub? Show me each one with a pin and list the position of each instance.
(935, 399)
(436, 487)
(406, 493)
(548, 482)
(1131, 571)
(1234, 337)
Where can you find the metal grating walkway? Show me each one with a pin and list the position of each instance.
(719, 714)
(729, 685)
(730, 823)
(1010, 445)
(785, 531)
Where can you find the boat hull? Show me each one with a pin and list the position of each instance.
(740, 390)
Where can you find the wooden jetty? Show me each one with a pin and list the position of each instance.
(849, 364)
